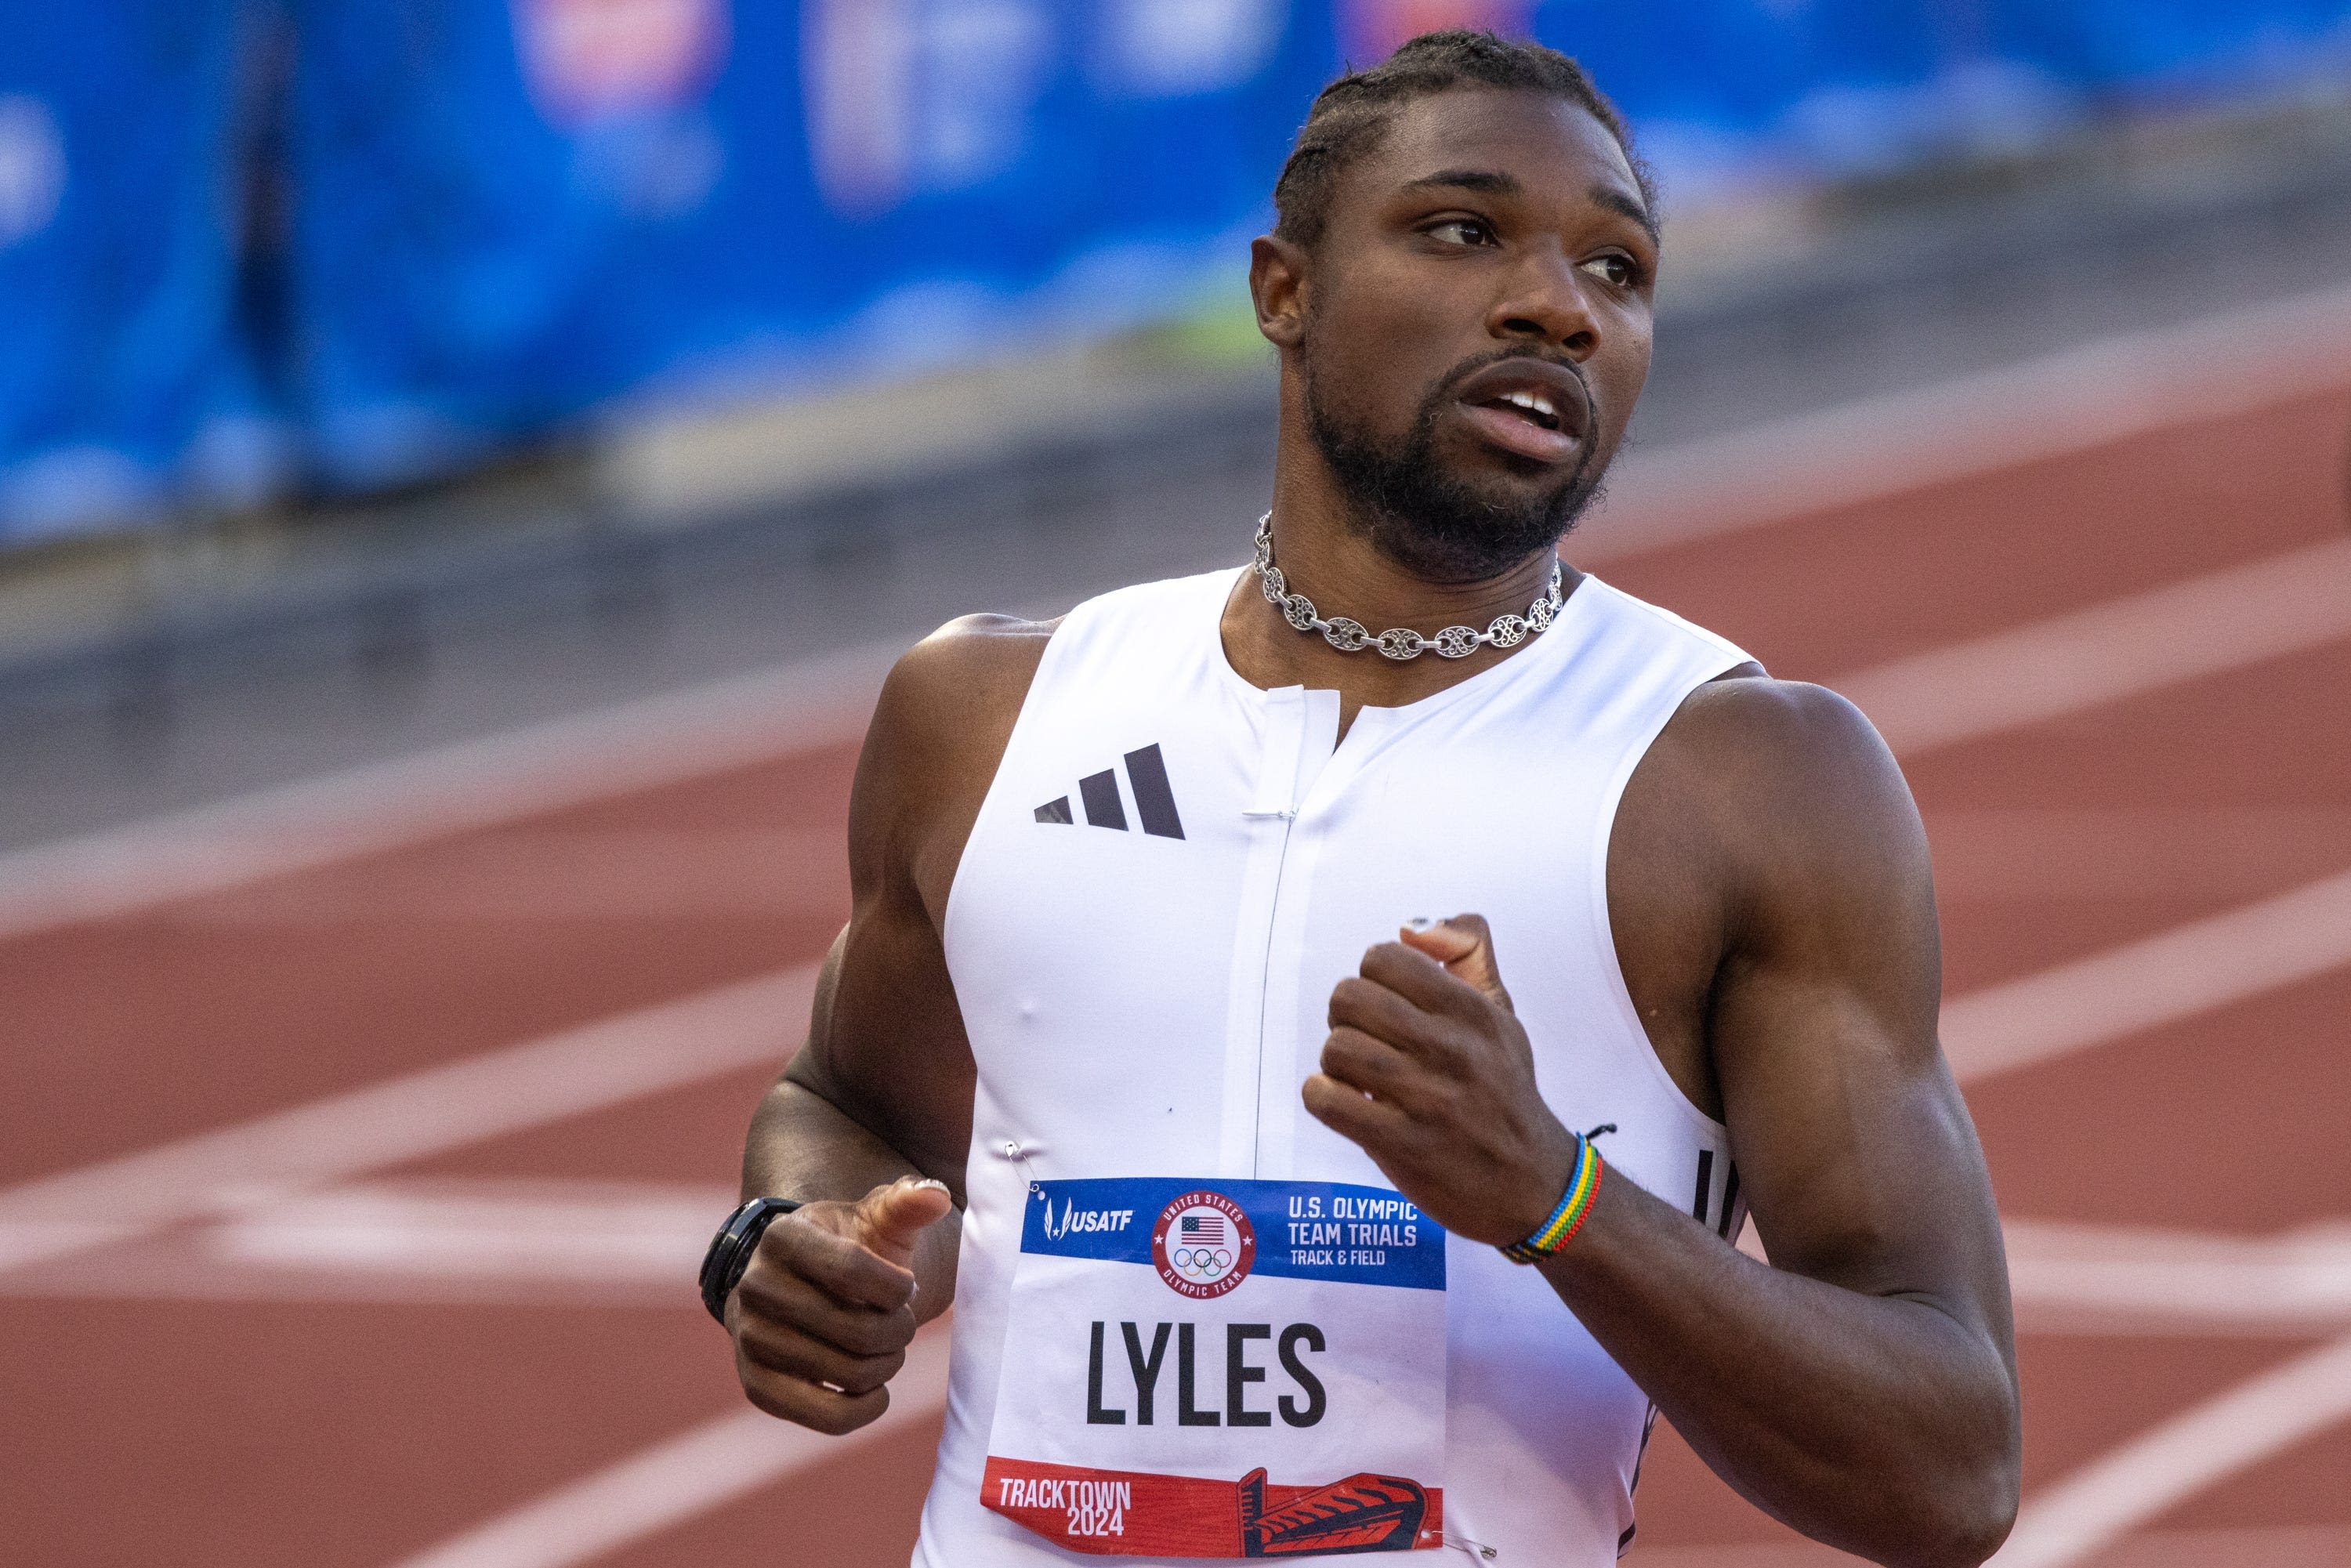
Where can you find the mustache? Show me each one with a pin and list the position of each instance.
(1453, 378)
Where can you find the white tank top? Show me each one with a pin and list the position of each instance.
(1169, 873)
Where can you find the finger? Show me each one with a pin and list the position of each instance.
(1464, 946)
(1424, 982)
(1350, 1113)
(771, 1296)
(890, 1219)
(842, 1267)
(1368, 1006)
(806, 1404)
(1373, 1066)
(780, 1348)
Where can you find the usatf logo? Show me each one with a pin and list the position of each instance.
(1203, 1245)
(1083, 1220)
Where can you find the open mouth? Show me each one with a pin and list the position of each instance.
(1534, 407)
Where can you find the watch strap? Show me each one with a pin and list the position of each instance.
(731, 1249)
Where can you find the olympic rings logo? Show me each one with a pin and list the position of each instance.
(1200, 1262)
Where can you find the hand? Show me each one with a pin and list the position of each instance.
(824, 1313)
(1427, 1068)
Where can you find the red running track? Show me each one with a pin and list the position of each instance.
(344, 1372)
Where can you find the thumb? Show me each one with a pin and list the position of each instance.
(890, 1219)
(1465, 946)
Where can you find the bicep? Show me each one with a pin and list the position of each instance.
(1854, 1148)
(887, 1043)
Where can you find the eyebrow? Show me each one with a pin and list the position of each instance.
(1494, 183)
(1617, 201)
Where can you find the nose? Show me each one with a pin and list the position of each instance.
(1544, 302)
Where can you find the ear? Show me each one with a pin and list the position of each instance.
(1277, 285)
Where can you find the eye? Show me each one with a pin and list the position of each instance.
(1462, 231)
(1618, 270)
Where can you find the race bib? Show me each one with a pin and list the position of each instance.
(1223, 1369)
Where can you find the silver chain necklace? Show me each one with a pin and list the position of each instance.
(1401, 642)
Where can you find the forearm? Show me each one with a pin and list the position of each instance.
(1879, 1425)
(803, 1146)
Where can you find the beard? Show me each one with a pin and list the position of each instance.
(1434, 522)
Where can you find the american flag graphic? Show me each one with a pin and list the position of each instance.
(1203, 1230)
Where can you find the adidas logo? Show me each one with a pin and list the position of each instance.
(1146, 781)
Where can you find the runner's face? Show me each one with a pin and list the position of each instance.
(1488, 254)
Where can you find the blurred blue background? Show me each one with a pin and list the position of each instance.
(254, 247)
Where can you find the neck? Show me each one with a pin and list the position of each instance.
(1326, 555)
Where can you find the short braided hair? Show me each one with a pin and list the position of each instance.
(1351, 115)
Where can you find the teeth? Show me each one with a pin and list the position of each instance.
(1535, 401)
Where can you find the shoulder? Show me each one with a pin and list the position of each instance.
(940, 726)
(975, 645)
(1775, 728)
(1789, 781)
(964, 678)
(970, 656)
(974, 672)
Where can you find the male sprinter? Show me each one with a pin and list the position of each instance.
(1271, 1229)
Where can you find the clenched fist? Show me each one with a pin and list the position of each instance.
(1428, 1069)
(824, 1313)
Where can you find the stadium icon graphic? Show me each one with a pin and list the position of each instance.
(1203, 1245)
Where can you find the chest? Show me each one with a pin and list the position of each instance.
(1157, 899)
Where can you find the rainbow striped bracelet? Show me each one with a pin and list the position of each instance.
(1554, 1233)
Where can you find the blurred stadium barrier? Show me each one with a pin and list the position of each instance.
(246, 244)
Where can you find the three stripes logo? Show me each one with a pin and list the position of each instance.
(1147, 781)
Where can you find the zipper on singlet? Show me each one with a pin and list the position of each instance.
(1265, 987)
(1300, 730)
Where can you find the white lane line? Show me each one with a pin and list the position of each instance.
(2113, 1494)
(702, 1469)
(2244, 1546)
(2174, 974)
(410, 1117)
(2239, 1546)
(536, 874)
(467, 1239)
(2181, 374)
(434, 794)
(2065, 402)
(2065, 663)
(2223, 620)
(2109, 1279)
(527, 1232)
(2205, 964)
(633, 1243)
(740, 1454)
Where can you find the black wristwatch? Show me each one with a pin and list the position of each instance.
(731, 1249)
